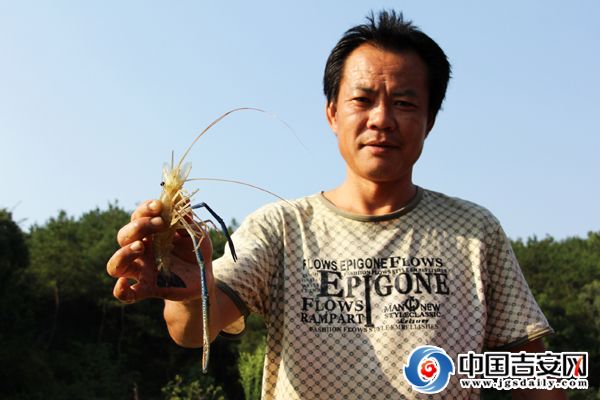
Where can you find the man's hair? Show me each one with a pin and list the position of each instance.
(389, 31)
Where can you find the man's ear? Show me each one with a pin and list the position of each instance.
(330, 112)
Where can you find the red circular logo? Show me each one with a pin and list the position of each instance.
(428, 369)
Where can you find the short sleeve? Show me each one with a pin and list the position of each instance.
(246, 281)
(514, 316)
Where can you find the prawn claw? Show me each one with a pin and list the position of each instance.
(222, 224)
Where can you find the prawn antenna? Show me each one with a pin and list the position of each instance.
(272, 115)
(216, 121)
(239, 183)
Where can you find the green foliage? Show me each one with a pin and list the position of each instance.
(195, 389)
(251, 371)
(590, 394)
(565, 279)
(55, 254)
(254, 336)
(17, 319)
(85, 371)
(14, 258)
(219, 241)
(69, 256)
(15, 255)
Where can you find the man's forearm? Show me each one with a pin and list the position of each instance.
(184, 322)
(184, 318)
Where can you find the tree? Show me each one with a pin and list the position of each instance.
(20, 364)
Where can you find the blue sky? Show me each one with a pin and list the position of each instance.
(94, 96)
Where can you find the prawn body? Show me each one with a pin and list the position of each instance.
(178, 213)
(175, 207)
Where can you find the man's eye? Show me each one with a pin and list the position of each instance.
(402, 103)
(361, 99)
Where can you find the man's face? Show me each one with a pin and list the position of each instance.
(381, 115)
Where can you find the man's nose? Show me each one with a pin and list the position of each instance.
(381, 116)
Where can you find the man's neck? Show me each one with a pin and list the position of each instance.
(372, 198)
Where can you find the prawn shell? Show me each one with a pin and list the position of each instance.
(162, 242)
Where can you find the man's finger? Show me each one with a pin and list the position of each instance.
(123, 291)
(138, 229)
(149, 208)
(121, 264)
(128, 292)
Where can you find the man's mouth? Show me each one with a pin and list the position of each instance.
(380, 144)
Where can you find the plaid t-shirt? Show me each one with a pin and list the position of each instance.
(347, 297)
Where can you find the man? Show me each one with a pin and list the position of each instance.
(351, 280)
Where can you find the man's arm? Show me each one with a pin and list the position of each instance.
(535, 346)
(184, 318)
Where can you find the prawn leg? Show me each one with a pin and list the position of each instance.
(221, 223)
(205, 305)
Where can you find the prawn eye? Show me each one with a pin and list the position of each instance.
(162, 183)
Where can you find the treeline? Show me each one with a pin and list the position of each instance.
(64, 336)
(564, 277)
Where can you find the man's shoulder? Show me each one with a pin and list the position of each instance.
(284, 208)
(456, 207)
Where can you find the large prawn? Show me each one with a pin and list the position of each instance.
(178, 213)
